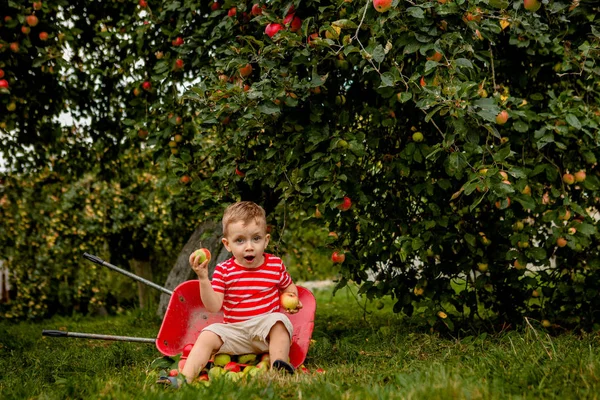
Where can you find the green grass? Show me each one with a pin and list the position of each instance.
(365, 355)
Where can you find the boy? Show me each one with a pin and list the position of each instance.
(247, 287)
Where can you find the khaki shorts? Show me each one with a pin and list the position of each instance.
(249, 336)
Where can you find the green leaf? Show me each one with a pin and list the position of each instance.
(269, 108)
(378, 54)
(463, 62)
(345, 24)
(527, 202)
(573, 121)
(415, 12)
(387, 79)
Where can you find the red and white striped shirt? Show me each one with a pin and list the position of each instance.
(250, 292)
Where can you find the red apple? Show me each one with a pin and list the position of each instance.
(3, 83)
(312, 37)
(14, 47)
(338, 257)
(202, 255)
(272, 29)
(288, 19)
(382, 5)
(178, 63)
(173, 372)
(178, 41)
(532, 5)
(215, 6)
(245, 71)
(185, 179)
(37, 5)
(43, 36)
(32, 20)
(289, 301)
(143, 3)
(25, 30)
(232, 11)
(561, 242)
(569, 179)
(142, 134)
(146, 85)
(296, 24)
(579, 176)
(346, 204)
(232, 366)
(1, 73)
(502, 117)
(256, 10)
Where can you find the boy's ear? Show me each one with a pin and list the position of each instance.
(267, 238)
(226, 244)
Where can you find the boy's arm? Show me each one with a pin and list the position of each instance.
(212, 300)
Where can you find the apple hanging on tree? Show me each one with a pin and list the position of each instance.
(346, 204)
(502, 117)
(338, 257)
(272, 29)
(532, 5)
(382, 5)
(32, 20)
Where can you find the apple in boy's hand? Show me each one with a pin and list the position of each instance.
(202, 255)
(289, 301)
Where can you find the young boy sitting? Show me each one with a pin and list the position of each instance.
(247, 287)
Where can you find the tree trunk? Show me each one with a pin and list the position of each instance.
(143, 269)
(181, 271)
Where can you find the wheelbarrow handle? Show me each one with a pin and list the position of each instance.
(99, 261)
(55, 333)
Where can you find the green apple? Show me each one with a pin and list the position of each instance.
(222, 359)
(202, 255)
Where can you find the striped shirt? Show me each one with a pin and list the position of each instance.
(250, 292)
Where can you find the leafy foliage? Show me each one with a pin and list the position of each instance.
(453, 126)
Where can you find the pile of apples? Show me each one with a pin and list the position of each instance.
(225, 366)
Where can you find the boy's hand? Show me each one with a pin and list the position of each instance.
(294, 311)
(200, 269)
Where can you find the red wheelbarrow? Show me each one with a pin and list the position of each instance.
(186, 317)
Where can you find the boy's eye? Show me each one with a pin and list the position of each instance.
(239, 240)
(256, 238)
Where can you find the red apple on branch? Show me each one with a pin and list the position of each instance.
(532, 5)
(232, 11)
(272, 29)
(215, 6)
(256, 10)
(143, 3)
(146, 85)
(382, 5)
(502, 117)
(1, 73)
(245, 71)
(346, 204)
(43, 36)
(32, 20)
(37, 5)
(338, 257)
(3, 83)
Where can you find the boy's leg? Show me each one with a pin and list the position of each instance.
(279, 344)
(207, 343)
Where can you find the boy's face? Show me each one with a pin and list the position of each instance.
(247, 242)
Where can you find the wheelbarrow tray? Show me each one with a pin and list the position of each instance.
(186, 316)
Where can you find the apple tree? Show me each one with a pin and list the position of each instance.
(451, 145)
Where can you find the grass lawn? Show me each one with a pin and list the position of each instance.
(365, 356)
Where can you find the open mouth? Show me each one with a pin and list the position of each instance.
(249, 258)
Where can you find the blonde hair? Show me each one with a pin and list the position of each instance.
(245, 211)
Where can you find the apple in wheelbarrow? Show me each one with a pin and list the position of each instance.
(202, 255)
